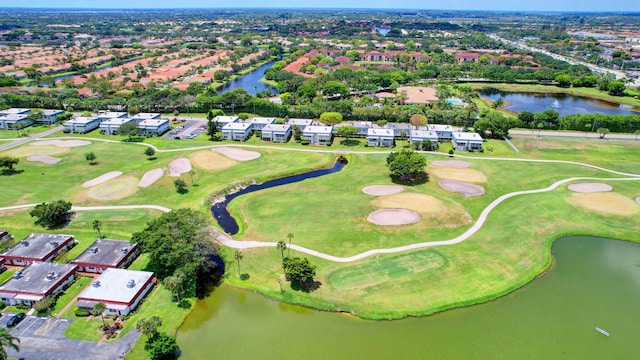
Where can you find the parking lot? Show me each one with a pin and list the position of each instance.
(187, 130)
(43, 338)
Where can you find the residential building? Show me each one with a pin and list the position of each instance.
(15, 121)
(112, 125)
(317, 135)
(104, 254)
(380, 137)
(301, 123)
(119, 289)
(146, 116)
(104, 115)
(36, 247)
(82, 125)
(49, 116)
(224, 120)
(237, 131)
(466, 141)
(260, 122)
(276, 133)
(444, 132)
(417, 138)
(418, 94)
(467, 57)
(362, 126)
(154, 127)
(400, 130)
(35, 282)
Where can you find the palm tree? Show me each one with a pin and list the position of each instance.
(237, 255)
(7, 340)
(290, 236)
(98, 309)
(281, 246)
(97, 226)
(192, 173)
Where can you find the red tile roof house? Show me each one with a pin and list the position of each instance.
(119, 289)
(104, 254)
(35, 282)
(36, 247)
(467, 57)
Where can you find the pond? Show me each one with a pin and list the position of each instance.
(563, 104)
(594, 282)
(250, 81)
(229, 224)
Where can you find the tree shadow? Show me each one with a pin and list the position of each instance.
(419, 179)
(7, 172)
(152, 158)
(307, 287)
(210, 276)
(350, 142)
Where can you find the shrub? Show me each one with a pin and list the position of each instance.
(304, 142)
(81, 313)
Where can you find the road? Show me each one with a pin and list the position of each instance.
(22, 141)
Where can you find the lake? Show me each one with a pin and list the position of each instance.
(563, 104)
(593, 282)
(250, 81)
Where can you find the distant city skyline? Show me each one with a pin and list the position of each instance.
(495, 5)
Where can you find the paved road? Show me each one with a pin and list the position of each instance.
(22, 141)
(573, 134)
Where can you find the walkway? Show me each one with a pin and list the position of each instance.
(22, 141)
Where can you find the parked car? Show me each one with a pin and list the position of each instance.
(177, 137)
(15, 319)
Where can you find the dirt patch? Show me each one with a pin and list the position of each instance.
(211, 161)
(379, 190)
(461, 187)
(590, 187)
(237, 154)
(114, 189)
(46, 159)
(417, 202)
(606, 203)
(40, 150)
(179, 166)
(449, 173)
(102, 179)
(150, 177)
(459, 164)
(61, 143)
(387, 217)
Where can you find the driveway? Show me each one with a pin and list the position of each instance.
(43, 338)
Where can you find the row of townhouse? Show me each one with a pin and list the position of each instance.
(110, 122)
(38, 278)
(16, 118)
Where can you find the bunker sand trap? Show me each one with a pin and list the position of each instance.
(379, 190)
(39, 150)
(61, 143)
(606, 203)
(114, 190)
(590, 187)
(459, 164)
(179, 166)
(638, 199)
(420, 203)
(449, 173)
(211, 161)
(46, 159)
(150, 177)
(237, 154)
(461, 187)
(102, 179)
(388, 217)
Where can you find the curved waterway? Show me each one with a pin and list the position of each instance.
(228, 223)
(593, 282)
(250, 81)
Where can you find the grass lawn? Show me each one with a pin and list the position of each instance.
(6, 275)
(70, 294)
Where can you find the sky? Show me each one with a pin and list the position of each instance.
(508, 5)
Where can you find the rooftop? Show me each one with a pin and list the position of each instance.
(226, 119)
(115, 121)
(379, 132)
(105, 252)
(276, 127)
(146, 116)
(49, 112)
(14, 111)
(37, 246)
(439, 127)
(39, 277)
(152, 122)
(319, 129)
(13, 117)
(116, 285)
(426, 134)
(469, 136)
(111, 114)
(262, 120)
(305, 122)
(418, 94)
(82, 120)
(236, 126)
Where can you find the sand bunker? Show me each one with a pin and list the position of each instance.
(450, 173)
(61, 143)
(179, 166)
(102, 178)
(606, 203)
(46, 159)
(459, 164)
(379, 190)
(150, 177)
(393, 217)
(424, 204)
(237, 154)
(638, 199)
(114, 189)
(40, 150)
(590, 187)
(461, 187)
(211, 161)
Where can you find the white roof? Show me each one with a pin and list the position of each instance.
(425, 134)
(226, 119)
(262, 120)
(236, 126)
(379, 132)
(13, 117)
(82, 120)
(300, 121)
(276, 127)
(14, 111)
(115, 121)
(111, 114)
(146, 116)
(49, 112)
(439, 127)
(113, 285)
(318, 129)
(152, 122)
(469, 136)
